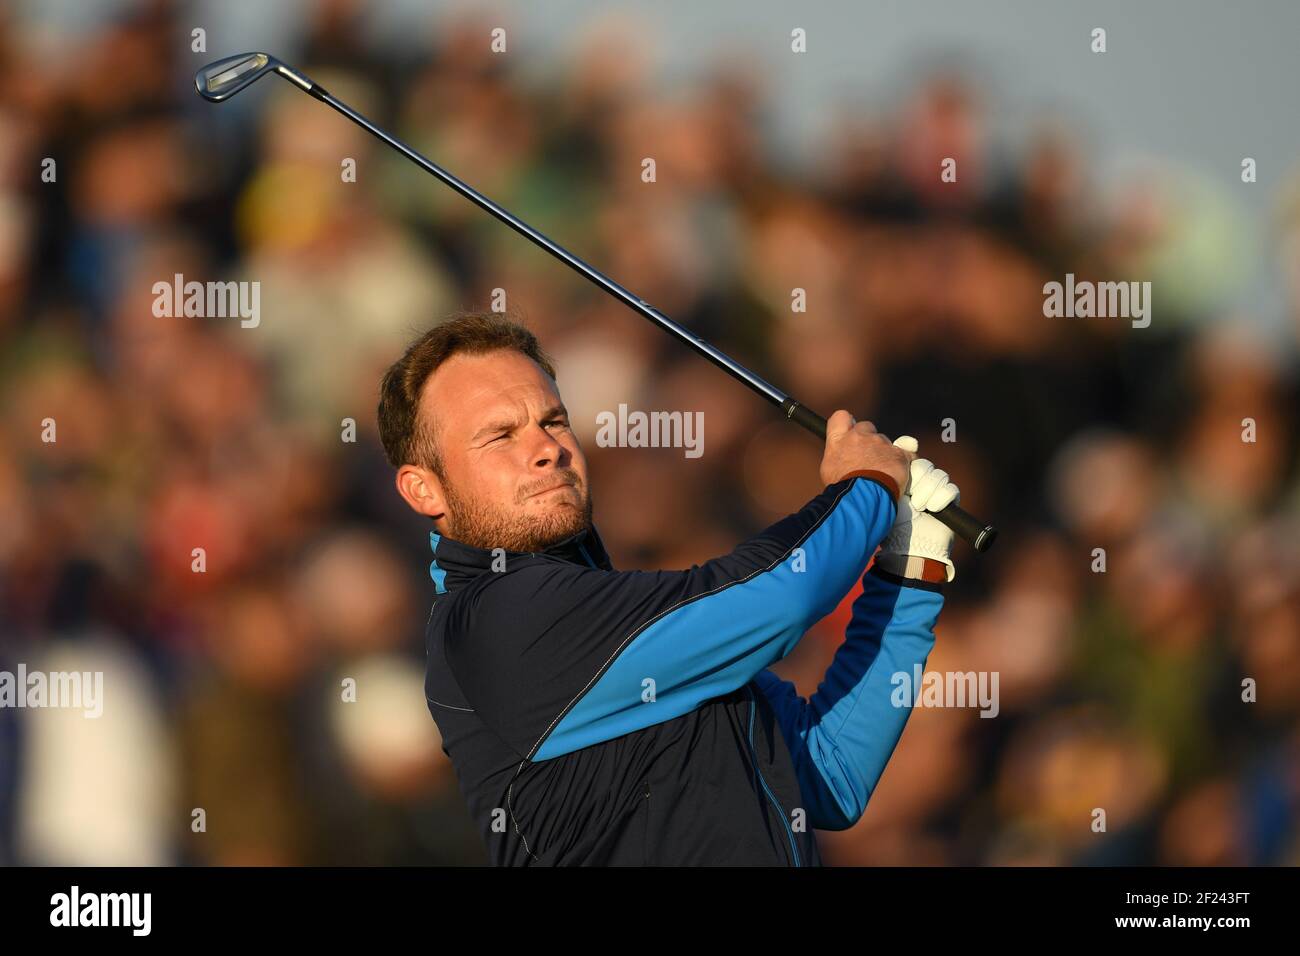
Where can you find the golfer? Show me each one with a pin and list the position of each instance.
(606, 717)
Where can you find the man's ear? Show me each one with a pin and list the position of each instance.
(422, 490)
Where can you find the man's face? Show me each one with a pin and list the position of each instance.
(513, 475)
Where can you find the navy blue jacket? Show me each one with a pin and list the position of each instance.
(605, 717)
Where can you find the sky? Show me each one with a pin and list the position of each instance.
(1194, 84)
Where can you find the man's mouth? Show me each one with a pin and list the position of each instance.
(547, 491)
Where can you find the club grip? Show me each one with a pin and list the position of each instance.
(978, 534)
(966, 526)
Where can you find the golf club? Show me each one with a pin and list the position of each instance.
(221, 80)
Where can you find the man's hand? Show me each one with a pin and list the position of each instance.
(918, 538)
(854, 446)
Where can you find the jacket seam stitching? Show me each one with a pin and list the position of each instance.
(468, 710)
(510, 810)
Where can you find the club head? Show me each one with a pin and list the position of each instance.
(223, 79)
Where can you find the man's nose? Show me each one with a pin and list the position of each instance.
(545, 450)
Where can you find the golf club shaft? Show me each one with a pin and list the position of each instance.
(977, 533)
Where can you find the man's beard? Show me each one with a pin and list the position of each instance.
(480, 525)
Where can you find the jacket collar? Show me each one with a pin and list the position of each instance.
(455, 564)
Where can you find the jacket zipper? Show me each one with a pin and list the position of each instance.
(753, 707)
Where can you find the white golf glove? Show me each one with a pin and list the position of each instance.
(917, 534)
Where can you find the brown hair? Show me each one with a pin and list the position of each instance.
(406, 439)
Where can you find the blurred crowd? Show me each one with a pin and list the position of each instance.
(224, 738)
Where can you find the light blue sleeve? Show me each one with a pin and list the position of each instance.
(843, 736)
(701, 633)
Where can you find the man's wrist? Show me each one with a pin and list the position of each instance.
(882, 479)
